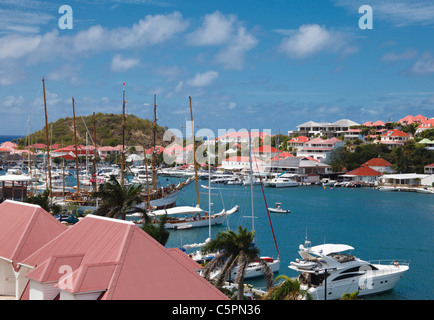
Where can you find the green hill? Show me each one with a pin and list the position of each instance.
(138, 132)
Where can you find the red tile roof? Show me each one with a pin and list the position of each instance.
(121, 260)
(364, 171)
(378, 162)
(395, 133)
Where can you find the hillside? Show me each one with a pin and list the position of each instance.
(138, 132)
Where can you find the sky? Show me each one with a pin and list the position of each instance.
(253, 64)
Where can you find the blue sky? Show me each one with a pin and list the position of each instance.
(246, 64)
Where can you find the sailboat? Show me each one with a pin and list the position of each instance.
(254, 269)
(187, 217)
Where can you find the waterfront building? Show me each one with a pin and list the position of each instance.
(241, 162)
(363, 174)
(320, 149)
(265, 152)
(429, 169)
(380, 165)
(335, 129)
(307, 170)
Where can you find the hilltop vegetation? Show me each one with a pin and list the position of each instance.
(138, 132)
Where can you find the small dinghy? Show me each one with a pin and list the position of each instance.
(304, 264)
(278, 209)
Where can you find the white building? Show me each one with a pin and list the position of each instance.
(331, 130)
(320, 149)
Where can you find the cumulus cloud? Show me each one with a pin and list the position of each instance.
(203, 79)
(123, 64)
(226, 31)
(216, 30)
(148, 31)
(311, 39)
(424, 65)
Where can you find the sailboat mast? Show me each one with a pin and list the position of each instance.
(251, 181)
(95, 185)
(76, 151)
(154, 132)
(46, 133)
(194, 153)
(123, 138)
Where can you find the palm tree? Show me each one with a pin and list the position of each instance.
(234, 250)
(117, 200)
(158, 232)
(289, 289)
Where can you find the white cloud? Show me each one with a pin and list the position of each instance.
(226, 31)
(232, 57)
(123, 64)
(203, 79)
(393, 56)
(311, 39)
(424, 65)
(148, 31)
(216, 30)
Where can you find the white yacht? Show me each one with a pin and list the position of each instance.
(345, 272)
(283, 182)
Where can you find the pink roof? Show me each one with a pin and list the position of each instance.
(24, 228)
(427, 124)
(282, 155)
(410, 119)
(173, 148)
(242, 159)
(8, 145)
(367, 124)
(266, 149)
(158, 150)
(430, 165)
(299, 139)
(378, 123)
(121, 260)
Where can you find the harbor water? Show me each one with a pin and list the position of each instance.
(380, 225)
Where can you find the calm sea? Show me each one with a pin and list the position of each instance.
(4, 138)
(379, 225)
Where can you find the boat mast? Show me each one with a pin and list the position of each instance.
(95, 185)
(251, 182)
(154, 132)
(147, 180)
(194, 153)
(123, 138)
(46, 133)
(76, 151)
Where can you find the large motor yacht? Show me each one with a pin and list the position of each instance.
(344, 272)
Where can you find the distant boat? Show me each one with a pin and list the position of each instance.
(278, 209)
(283, 182)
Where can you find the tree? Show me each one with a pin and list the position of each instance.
(289, 289)
(234, 250)
(158, 232)
(41, 199)
(117, 200)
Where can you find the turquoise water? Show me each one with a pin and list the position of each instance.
(379, 225)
